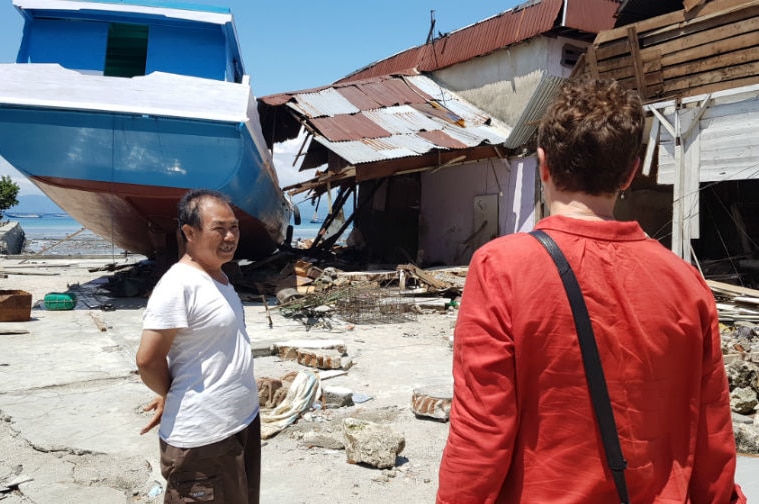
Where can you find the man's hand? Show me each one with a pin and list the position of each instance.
(156, 404)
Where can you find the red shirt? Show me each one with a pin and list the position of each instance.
(522, 425)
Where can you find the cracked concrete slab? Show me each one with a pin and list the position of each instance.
(70, 406)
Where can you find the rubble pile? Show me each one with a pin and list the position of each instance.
(738, 309)
(740, 348)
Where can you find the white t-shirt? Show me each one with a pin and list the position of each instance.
(213, 392)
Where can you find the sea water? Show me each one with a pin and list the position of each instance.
(61, 234)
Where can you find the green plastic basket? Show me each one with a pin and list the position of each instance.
(60, 301)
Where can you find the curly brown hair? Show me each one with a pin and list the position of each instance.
(591, 135)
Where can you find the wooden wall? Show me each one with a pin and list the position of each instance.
(712, 47)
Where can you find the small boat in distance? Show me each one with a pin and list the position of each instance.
(18, 215)
(115, 109)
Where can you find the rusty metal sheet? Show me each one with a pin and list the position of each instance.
(442, 139)
(276, 99)
(403, 62)
(527, 20)
(434, 119)
(357, 97)
(429, 87)
(348, 127)
(466, 136)
(324, 103)
(515, 25)
(416, 143)
(392, 92)
(471, 115)
(403, 119)
(434, 109)
(591, 16)
(494, 135)
(366, 151)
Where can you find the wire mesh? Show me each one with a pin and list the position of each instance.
(370, 304)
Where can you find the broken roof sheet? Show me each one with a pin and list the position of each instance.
(527, 20)
(389, 118)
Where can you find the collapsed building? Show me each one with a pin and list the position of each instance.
(436, 144)
(436, 141)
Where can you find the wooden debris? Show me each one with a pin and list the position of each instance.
(735, 302)
(31, 273)
(100, 323)
(707, 48)
(418, 273)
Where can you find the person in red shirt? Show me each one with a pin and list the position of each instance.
(522, 425)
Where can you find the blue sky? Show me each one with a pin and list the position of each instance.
(288, 46)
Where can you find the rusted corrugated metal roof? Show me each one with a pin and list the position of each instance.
(521, 23)
(346, 126)
(591, 16)
(391, 117)
(325, 102)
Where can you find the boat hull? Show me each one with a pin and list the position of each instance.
(121, 175)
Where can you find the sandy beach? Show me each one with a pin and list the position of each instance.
(71, 401)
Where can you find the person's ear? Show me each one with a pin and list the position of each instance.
(542, 165)
(631, 176)
(189, 231)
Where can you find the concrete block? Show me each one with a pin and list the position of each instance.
(371, 443)
(337, 397)
(328, 440)
(320, 359)
(12, 238)
(432, 401)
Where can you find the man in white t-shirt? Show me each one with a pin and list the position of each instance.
(195, 354)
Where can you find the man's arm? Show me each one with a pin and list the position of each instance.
(151, 359)
(154, 368)
(483, 418)
(714, 460)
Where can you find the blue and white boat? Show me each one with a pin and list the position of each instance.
(115, 109)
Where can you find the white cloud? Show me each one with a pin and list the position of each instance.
(26, 187)
(285, 154)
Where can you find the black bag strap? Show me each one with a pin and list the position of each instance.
(592, 361)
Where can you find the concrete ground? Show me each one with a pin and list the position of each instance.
(71, 401)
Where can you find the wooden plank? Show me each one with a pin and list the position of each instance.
(592, 62)
(736, 290)
(632, 41)
(719, 75)
(718, 62)
(746, 299)
(580, 66)
(692, 4)
(727, 47)
(720, 26)
(656, 68)
(721, 86)
(611, 50)
(699, 25)
(678, 43)
(646, 25)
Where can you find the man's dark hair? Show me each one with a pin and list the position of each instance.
(189, 207)
(591, 135)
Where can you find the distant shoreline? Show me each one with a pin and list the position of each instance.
(50, 233)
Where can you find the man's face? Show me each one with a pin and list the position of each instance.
(216, 241)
